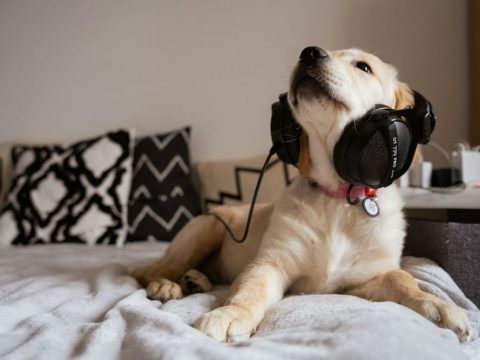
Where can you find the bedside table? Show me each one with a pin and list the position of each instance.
(446, 229)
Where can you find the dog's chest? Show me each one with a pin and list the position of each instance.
(343, 259)
(340, 247)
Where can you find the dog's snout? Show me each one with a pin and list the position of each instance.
(312, 54)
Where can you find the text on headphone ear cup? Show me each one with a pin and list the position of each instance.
(404, 142)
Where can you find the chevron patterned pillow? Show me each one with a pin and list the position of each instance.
(162, 198)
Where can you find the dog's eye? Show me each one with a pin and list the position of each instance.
(364, 67)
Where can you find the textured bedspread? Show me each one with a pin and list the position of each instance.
(72, 301)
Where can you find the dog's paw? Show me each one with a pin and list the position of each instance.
(164, 290)
(455, 318)
(446, 315)
(194, 281)
(228, 323)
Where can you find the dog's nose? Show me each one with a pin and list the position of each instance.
(312, 54)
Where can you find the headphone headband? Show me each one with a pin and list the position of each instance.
(424, 118)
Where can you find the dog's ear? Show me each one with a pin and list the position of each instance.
(403, 96)
(304, 158)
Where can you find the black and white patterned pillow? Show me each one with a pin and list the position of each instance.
(77, 193)
(162, 198)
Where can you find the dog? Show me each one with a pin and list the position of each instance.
(308, 241)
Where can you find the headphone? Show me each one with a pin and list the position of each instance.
(373, 150)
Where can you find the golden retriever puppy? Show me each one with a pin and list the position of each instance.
(308, 241)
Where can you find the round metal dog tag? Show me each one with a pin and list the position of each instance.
(370, 206)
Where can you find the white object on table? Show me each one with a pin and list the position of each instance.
(420, 174)
(469, 164)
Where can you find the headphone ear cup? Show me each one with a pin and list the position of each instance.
(424, 119)
(285, 131)
(364, 152)
(350, 147)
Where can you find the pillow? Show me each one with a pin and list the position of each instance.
(1, 180)
(5, 171)
(75, 193)
(162, 198)
(233, 182)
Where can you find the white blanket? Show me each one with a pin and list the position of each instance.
(73, 301)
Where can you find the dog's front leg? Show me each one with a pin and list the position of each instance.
(253, 292)
(400, 287)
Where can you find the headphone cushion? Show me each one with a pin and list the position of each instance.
(340, 151)
(285, 132)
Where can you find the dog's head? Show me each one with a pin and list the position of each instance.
(328, 90)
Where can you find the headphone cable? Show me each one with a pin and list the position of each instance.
(272, 151)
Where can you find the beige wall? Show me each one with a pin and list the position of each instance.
(474, 50)
(70, 69)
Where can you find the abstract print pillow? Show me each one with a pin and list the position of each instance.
(63, 194)
(162, 198)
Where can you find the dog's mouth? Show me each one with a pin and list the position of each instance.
(310, 83)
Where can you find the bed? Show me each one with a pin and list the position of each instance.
(76, 301)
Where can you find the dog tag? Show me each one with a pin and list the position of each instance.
(370, 206)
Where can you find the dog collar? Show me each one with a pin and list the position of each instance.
(351, 190)
(352, 193)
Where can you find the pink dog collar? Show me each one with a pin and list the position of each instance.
(350, 190)
(352, 193)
